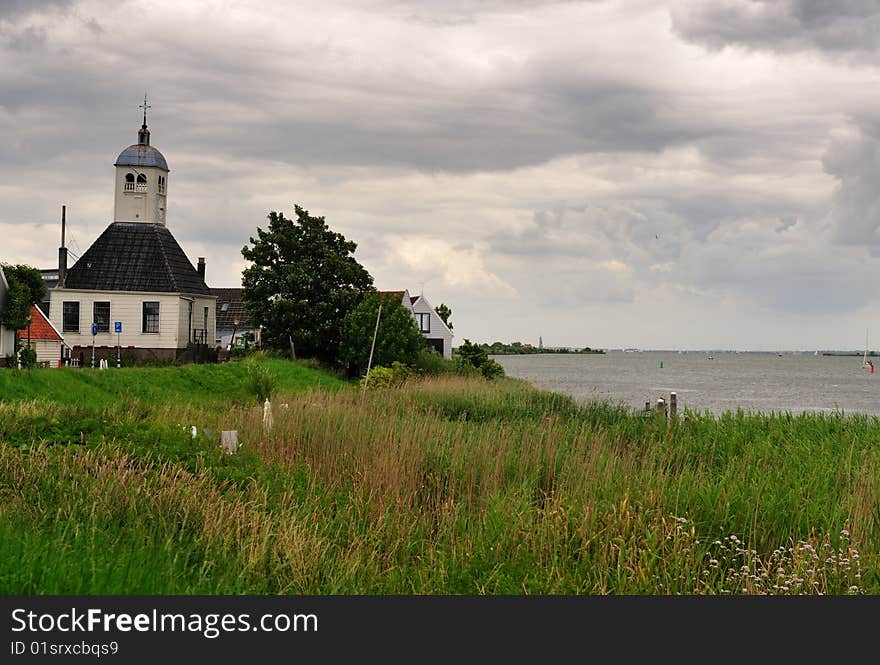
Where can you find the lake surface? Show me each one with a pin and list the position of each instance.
(760, 382)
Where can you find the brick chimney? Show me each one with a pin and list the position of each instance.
(62, 251)
(201, 267)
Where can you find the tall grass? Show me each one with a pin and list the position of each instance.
(446, 485)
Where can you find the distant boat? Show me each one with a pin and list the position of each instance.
(710, 357)
(815, 353)
(867, 364)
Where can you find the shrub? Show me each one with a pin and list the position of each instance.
(432, 363)
(491, 369)
(475, 356)
(386, 377)
(379, 377)
(260, 382)
(28, 357)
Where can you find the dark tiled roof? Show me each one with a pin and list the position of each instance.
(230, 305)
(133, 256)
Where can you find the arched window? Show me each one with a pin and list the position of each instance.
(141, 182)
(129, 182)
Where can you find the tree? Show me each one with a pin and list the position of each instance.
(398, 339)
(302, 283)
(26, 288)
(476, 355)
(444, 313)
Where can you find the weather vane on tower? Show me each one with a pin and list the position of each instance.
(145, 106)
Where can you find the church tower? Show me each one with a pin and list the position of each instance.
(141, 181)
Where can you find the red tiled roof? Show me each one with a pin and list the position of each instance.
(399, 294)
(40, 327)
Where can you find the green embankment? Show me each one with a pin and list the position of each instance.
(160, 385)
(445, 485)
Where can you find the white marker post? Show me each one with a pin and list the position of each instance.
(372, 346)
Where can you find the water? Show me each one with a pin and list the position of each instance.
(758, 382)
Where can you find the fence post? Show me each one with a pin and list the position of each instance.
(229, 440)
(661, 405)
(673, 404)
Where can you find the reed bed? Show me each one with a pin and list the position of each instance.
(444, 485)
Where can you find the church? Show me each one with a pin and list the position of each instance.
(135, 286)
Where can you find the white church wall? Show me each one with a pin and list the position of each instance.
(125, 307)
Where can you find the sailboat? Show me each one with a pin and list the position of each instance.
(867, 364)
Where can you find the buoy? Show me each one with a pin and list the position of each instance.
(661, 364)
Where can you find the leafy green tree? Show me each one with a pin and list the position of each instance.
(444, 313)
(476, 356)
(472, 353)
(302, 283)
(398, 338)
(26, 288)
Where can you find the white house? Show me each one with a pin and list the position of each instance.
(135, 286)
(7, 335)
(233, 321)
(436, 333)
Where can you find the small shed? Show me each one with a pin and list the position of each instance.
(42, 336)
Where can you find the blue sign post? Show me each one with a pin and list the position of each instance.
(94, 332)
(117, 327)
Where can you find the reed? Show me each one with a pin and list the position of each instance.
(443, 485)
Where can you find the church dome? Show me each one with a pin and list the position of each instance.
(141, 154)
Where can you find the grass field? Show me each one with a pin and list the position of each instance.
(445, 485)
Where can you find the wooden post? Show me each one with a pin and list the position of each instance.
(673, 404)
(661, 405)
(229, 440)
(647, 408)
(292, 351)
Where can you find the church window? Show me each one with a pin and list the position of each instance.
(70, 316)
(151, 317)
(161, 184)
(102, 316)
(129, 182)
(141, 182)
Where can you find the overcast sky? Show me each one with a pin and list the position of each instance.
(628, 173)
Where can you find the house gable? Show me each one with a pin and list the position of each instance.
(438, 327)
(438, 335)
(41, 328)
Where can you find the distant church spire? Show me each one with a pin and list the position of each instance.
(144, 133)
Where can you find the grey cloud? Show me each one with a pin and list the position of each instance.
(854, 160)
(526, 115)
(13, 9)
(798, 280)
(454, 12)
(841, 27)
